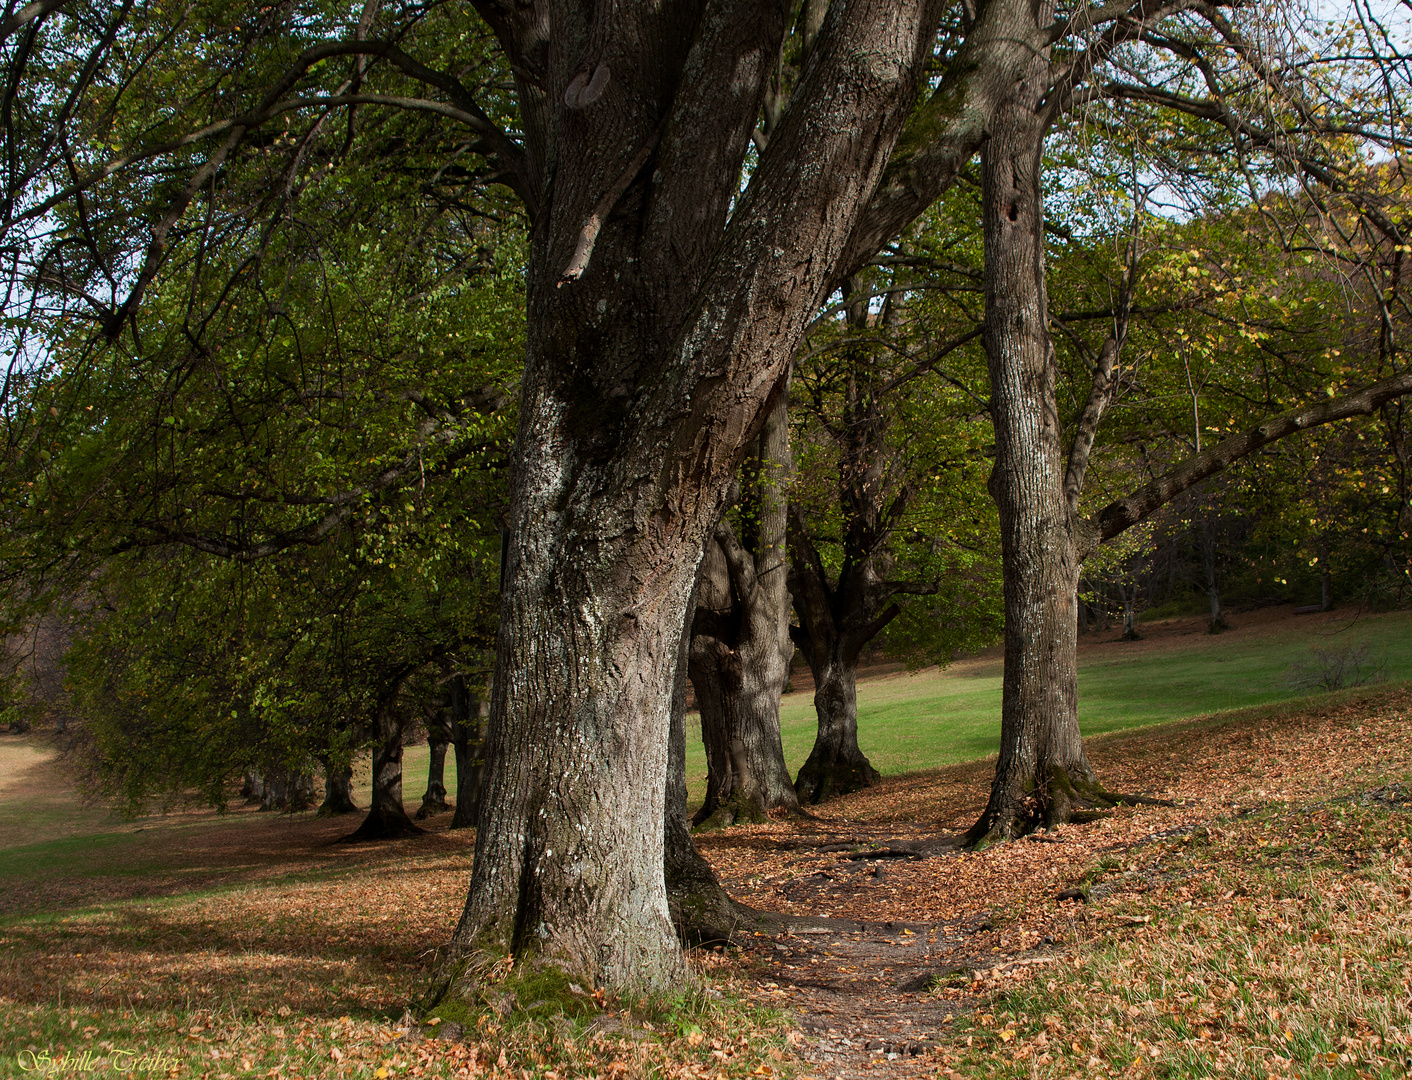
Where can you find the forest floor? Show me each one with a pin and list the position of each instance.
(1260, 927)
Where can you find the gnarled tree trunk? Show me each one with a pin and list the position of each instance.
(663, 305)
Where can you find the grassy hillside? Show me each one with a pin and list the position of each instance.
(936, 717)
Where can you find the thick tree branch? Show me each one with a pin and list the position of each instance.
(27, 15)
(1126, 512)
(738, 561)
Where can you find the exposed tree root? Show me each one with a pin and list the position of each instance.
(382, 824)
(1062, 799)
(431, 807)
(818, 782)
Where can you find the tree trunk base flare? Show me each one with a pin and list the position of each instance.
(701, 912)
(431, 807)
(434, 801)
(383, 823)
(1066, 797)
(736, 810)
(1130, 634)
(338, 793)
(821, 780)
(1218, 625)
(387, 819)
(507, 988)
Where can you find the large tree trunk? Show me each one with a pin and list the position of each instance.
(1042, 771)
(740, 650)
(468, 715)
(386, 818)
(663, 306)
(338, 791)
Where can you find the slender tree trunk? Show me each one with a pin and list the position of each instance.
(386, 818)
(1326, 592)
(468, 715)
(1128, 591)
(438, 723)
(338, 791)
(1217, 621)
(1042, 770)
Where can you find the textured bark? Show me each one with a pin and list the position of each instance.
(646, 375)
(386, 818)
(338, 792)
(740, 647)
(1042, 770)
(468, 714)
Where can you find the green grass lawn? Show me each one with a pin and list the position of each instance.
(937, 717)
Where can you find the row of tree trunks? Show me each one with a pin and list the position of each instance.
(698, 907)
(663, 305)
(279, 788)
(740, 646)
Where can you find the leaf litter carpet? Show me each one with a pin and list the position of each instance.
(884, 936)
